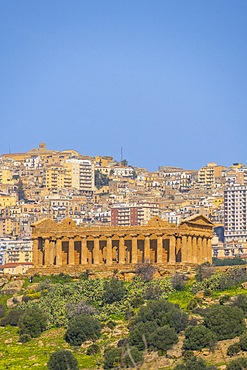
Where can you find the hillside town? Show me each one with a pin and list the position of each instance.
(44, 183)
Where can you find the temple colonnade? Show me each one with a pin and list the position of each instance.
(66, 244)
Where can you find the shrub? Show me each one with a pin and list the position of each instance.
(145, 271)
(178, 281)
(137, 300)
(221, 281)
(153, 292)
(162, 338)
(132, 357)
(62, 360)
(204, 271)
(225, 321)
(24, 338)
(114, 290)
(32, 322)
(140, 331)
(241, 302)
(150, 322)
(224, 299)
(2, 310)
(129, 313)
(238, 364)
(44, 285)
(243, 342)
(12, 318)
(25, 298)
(163, 313)
(81, 328)
(122, 342)
(194, 363)
(80, 308)
(207, 293)
(193, 303)
(112, 357)
(93, 350)
(233, 349)
(198, 337)
(228, 261)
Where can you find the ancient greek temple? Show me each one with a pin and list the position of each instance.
(66, 244)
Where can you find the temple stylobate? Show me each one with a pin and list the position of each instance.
(63, 244)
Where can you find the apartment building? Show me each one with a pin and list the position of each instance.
(235, 199)
(15, 251)
(56, 177)
(210, 173)
(133, 215)
(81, 174)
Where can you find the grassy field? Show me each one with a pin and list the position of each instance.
(36, 353)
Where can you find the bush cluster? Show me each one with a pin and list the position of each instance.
(218, 280)
(225, 322)
(82, 328)
(157, 323)
(114, 290)
(62, 360)
(198, 337)
(194, 363)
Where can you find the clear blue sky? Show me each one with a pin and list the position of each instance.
(164, 79)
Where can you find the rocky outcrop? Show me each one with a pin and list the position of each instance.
(12, 287)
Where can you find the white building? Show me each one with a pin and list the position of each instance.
(235, 213)
(82, 175)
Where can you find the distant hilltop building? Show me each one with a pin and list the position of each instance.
(207, 175)
(235, 213)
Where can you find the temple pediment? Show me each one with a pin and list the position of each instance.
(67, 224)
(197, 220)
(45, 224)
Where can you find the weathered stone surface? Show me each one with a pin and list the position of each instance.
(7, 341)
(244, 285)
(14, 301)
(200, 294)
(12, 287)
(176, 351)
(3, 281)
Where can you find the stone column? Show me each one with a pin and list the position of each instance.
(159, 249)
(178, 249)
(40, 252)
(121, 255)
(184, 249)
(199, 256)
(194, 249)
(35, 252)
(47, 252)
(52, 252)
(134, 250)
(59, 257)
(71, 252)
(83, 251)
(190, 249)
(109, 251)
(172, 249)
(204, 250)
(147, 249)
(96, 251)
